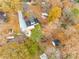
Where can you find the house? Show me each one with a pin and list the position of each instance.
(26, 25)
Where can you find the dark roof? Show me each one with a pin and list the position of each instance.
(32, 21)
(28, 23)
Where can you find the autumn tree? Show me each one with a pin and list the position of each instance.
(11, 5)
(54, 13)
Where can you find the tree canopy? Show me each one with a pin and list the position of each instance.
(75, 11)
(54, 13)
(77, 1)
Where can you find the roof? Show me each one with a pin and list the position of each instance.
(31, 21)
(22, 23)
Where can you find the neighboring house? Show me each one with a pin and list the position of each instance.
(26, 25)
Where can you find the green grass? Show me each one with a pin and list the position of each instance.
(37, 33)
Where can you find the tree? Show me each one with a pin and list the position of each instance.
(26, 50)
(32, 47)
(54, 13)
(77, 1)
(68, 18)
(75, 11)
(11, 5)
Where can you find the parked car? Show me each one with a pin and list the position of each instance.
(56, 42)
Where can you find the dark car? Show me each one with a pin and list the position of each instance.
(56, 42)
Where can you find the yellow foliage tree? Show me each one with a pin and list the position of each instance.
(54, 13)
(11, 5)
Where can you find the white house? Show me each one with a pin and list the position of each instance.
(26, 26)
(23, 25)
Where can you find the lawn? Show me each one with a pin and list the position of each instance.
(37, 33)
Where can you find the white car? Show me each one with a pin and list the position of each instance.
(44, 15)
